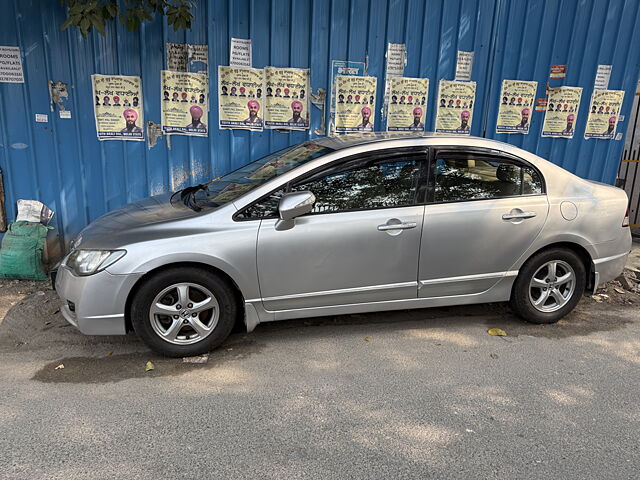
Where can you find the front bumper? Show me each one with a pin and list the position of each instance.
(95, 304)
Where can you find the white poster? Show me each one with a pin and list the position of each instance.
(396, 59)
(184, 57)
(240, 53)
(464, 66)
(11, 65)
(602, 77)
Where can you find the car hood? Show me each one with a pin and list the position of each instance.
(134, 222)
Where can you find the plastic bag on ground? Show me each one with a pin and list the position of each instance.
(21, 251)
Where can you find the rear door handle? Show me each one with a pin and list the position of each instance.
(397, 226)
(514, 216)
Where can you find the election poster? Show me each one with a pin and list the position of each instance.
(516, 105)
(118, 107)
(286, 103)
(240, 98)
(604, 113)
(185, 103)
(343, 67)
(455, 107)
(562, 111)
(355, 104)
(407, 104)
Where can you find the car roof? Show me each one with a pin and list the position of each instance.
(340, 142)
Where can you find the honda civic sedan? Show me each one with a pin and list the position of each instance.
(346, 225)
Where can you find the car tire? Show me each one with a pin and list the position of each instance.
(175, 330)
(548, 286)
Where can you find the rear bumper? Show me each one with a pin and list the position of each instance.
(94, 304)
(609, 268)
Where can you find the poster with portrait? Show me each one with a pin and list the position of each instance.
(516, 104)
(286, 102)
(355, 103)
(604, 112)
(407, 104)
(185, 103)
(343, 67)
(455, 107)
(118, 107)
(562, 112)
(240, 98)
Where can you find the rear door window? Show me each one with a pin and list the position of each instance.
(463, 176)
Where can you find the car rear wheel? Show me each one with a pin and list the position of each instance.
(549, 285)
(184, 312)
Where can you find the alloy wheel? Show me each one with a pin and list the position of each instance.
(184, 313)
(552, 286)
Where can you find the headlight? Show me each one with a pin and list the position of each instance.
(88, 262)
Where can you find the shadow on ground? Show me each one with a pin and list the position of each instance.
(34, 324)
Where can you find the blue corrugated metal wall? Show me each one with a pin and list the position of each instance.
(64, 165)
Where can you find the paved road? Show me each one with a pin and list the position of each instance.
(413, 394)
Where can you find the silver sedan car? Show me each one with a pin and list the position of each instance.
(356, 223)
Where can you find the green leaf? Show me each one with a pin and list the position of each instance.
(98, 23)
(85, 24)
(66, 24)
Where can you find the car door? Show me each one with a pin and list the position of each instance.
(359, 244)
(485, 209)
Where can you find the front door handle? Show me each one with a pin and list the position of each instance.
(397, 226)
(518, 215)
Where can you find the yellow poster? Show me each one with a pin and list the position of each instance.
(355, 103)
(286, 99)
(516, 105)
(185, 103)
(603, 114)
(118, 107)
(240, 97)
(455, 107)
(562, 111)
(407, 104)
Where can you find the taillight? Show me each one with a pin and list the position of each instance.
(625, 222)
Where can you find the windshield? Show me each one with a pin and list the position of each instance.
(235, 184)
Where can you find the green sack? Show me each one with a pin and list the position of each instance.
(21, 252)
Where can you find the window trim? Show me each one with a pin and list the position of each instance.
(483, 152)
(419, 194)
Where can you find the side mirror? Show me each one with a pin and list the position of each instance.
(293, 205)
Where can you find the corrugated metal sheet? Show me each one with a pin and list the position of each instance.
(64, 165)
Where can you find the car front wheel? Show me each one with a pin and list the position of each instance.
(549, 285)
(184, 311)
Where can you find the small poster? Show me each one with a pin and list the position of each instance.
(408, 104)
(558, 71)
(541, 104)
(343, 67)
(464, 65)
(396, 59)
(455, 107)
(185, 103)
(183, 57)
(286, 99)
(240, 54)
(240, 97)
(514, 112)
(604, 114)
(118, 107)
(562, 111)
(355, 103)
(602, 77)
(11, 65)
